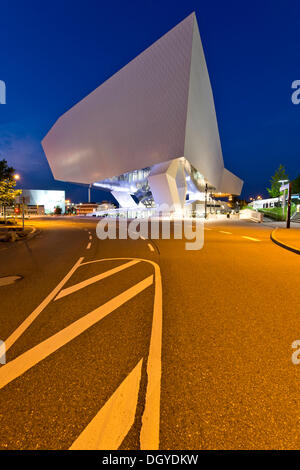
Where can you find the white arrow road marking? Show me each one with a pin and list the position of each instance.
(251, 238)
(99, 277)
(149, 436)
(112, 423)
(27, 322)
(25, 361)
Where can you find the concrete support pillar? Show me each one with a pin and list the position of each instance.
(168, 183)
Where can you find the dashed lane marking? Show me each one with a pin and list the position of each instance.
(150, 247)
(227, 233)
(88, 246)
(251, 238)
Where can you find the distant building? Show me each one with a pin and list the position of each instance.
(266, 203)
(105, 206)
(273, 202)
(93, 207)
(42, 200)
(86, 208)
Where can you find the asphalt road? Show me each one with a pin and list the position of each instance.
(89, 363)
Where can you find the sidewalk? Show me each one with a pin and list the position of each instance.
(287, 238)
(279, 224)
(12, 233)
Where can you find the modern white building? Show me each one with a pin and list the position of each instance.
(49, 199)
(150, 131)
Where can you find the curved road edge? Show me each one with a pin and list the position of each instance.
(281, 244)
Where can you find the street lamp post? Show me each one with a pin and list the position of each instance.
(16, 176)
(287, 186)
(288, 215)
(23, 207)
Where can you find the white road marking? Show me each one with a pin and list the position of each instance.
(227, 233)
(251, 238)
(143, 238)
(149, 437)
(207, 228)
(150, 247)
(5, 281)
(33, 356)
(92, 280)
(88, 246)
(27, 322)
(112, 423)
(90, 237)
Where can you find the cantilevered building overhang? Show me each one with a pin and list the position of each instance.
(156, 109)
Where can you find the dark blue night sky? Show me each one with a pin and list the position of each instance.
(52, 54)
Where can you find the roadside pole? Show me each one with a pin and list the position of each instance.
(283, 187)
(23, 206)
(283, 203)
(288, 215)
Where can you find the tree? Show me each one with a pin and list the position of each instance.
(57, 210)
(296, 185)
(6, 172)
(280, 174)
(8, 193)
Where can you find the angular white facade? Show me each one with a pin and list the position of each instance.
(157, 108)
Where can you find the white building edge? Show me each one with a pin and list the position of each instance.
(149, 131)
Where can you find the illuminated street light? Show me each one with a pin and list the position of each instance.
(16, 177)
